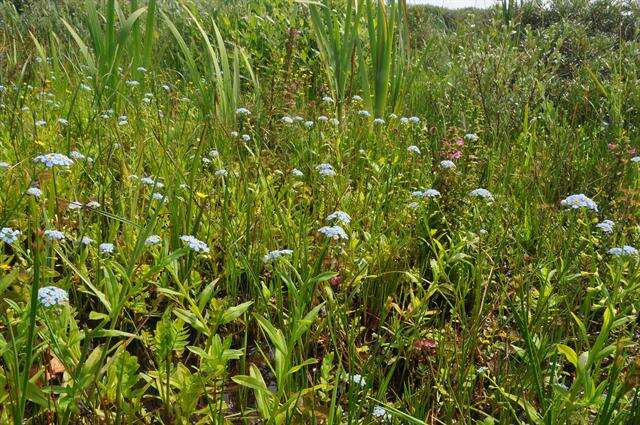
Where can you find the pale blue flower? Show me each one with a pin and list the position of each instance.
(378, 121)
(340, 216)
(326, 170)
(414, 149)
(606, 226)
(358, 379)
(357, 98)
(93, 204)
(40, 123)
(86, 240)
(323, 118)
(287, 119)
(222, 173)
(9, 235)
(246, 138)
(152, 240)
(579, 201)
(297, 173)
(50, 296)
(274, 255)
(481, 193)
(51, 160)
(74, 205)
(34, 191)
(327, 99)
(447, 164)
(194, 244)
(243, 111)
(106, 248)
(635, 159)
(54, 235)
(414, 120)
(334, 232)
(471, 137)
(157, 196)
(624, 251)
(152, 182)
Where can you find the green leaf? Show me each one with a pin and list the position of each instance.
(232, 313)
(568, 352)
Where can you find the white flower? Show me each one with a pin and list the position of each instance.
(358, 379)
(50, 296)
(4, 165)
(222, 172)
(243, 111)
(333, 232)
(481, 193)
(414, 205)
(63, 121)
(123, 120)
(323, 118)
(213, 153)
(53, 159)
(298, 118)
(364, 113)
(106, 248)
(194, 243)
(53, 234)
(380, 412)
(447, 164)
(234, 134)
(86, 240)
(378, 121)
(74, 205)
(85, 87)
(335, 121)
(297, 173)
(393, 116)
(327, 99)
(624, 251)
(414, 149)
(40, 123)
(414, 120)
(34, 191)
(142, 69)
(340, 216)
(606, 226)
(357, 98)
(133, 83)
(274, 255)
(152, 240)
(471, 136)
(8, 235)
(93, 204)
(579, 201)
(166, 87)
(404, 120)
(152, 182)
(635, 159)
(308, 124)
(326, 170)
(246, 138)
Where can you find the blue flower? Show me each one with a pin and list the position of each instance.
(447, 164)
(340, 216)
(152, 240)
(334, 232)
(326, 170)
(9, 235)
(53, 159)
(106, 248)
(194, 244)
(481, 193)
(54, 235)
(34, 191)
(274, 255)
(414, 149)
(50, 296)
(606, 226)
(624, 251)
(579, 200)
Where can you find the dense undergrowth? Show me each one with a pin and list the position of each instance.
(319, 212)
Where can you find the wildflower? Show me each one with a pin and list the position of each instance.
(326, 170)
(471, 136)
(624, 251)
(40, 123)
(194, 243)
(414, 120)
(86, 240)
(455, 155)
(298, 118)
(152, 182)
(335, 121)
(152, 240)
(430, 193)
(414, 149)
(205, 160)
(404, 120)
(364, 113)
(92, 204)
(447, 164)
(606, 226)
(142, 69)
(340, 216)
(4, 165)
(358, 379)
(297, 173)
(54, 235)
(234, 134)
(34, 191)
(334, 232)
(287, 119)
(157, 196)
(414, 205)
(133, 83)
(246, 138)
(8, 235)
(222, 173)
(50, 296)
(481, 193)
(243, 111)
(52, 159)
(74, 205)
(63, 121)
(85, 87)
(357, 98)
(378, 121)
(308, 124)
(123, 120)
(380, 412)
(393, 116)
(327, 99)
(635, 159)
(166, 87)
(274, 255)
(579, 201)
(323, 118)
(213, 153)
(106, 248)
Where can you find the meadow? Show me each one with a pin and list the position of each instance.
(319, 212)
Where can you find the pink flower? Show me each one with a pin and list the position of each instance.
(633, 151)
(612, 146)
(455, 155)
(460, 142)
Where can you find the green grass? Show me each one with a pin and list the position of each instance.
(211, 120)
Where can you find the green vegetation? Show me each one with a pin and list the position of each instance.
(319, 212)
